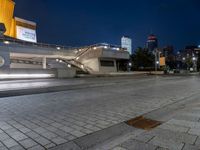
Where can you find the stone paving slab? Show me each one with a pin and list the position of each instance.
(136, 145)
(67, 146)
(103, 135)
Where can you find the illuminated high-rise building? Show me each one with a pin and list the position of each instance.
(16, 27)
(126, 42)
(152, 43)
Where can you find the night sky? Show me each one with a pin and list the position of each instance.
(85, 22)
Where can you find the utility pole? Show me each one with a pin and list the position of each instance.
(157, 59)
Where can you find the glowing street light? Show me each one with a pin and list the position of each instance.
(69, 65)
(116, 48)
(58, 48)
(6, 42)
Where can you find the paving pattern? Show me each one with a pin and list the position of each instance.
(43, 121)
(182, 132)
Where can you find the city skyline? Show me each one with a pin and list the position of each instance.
(80, 23)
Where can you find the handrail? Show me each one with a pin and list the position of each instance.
(59, 47)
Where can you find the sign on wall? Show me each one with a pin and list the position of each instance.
(2, 61)
(26, 34)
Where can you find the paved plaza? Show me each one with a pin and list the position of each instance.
(90, 107)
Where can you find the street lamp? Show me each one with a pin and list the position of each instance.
(194, 63)
(58, 48)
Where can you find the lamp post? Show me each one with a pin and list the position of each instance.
(183, 63)
(194, 63)
(157, 59)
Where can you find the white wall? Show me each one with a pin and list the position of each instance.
(92, 63)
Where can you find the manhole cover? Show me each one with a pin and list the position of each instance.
(143, 123)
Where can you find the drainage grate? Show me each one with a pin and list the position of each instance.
(143, 123)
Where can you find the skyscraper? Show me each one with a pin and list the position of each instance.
(126, 42)
(152, 43)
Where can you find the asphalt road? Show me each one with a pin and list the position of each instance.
(85, 106)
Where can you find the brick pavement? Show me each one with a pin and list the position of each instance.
(44, 121)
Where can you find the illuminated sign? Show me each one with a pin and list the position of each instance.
(2, 61)
(26, 34)
(162, 61)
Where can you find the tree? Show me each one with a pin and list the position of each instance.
(142, 59)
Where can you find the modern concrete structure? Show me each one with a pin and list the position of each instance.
(20, 53)
(126, 42)
(95, 59)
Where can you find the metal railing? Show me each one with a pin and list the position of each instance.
(54, 46)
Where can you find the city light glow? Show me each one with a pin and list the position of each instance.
(19, 76)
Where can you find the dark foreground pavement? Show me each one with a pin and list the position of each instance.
(90, 114)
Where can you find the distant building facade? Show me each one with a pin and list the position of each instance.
(167, 51)
(152, 43)
(126, 42)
